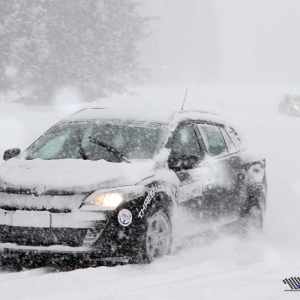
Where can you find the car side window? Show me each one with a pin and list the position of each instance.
(186, 142)
(234, 136)
(230, 145)
(213, 139)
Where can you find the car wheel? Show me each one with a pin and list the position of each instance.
(255, 219)
(158, 238)
(253, 212)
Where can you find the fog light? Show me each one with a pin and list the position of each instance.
(93, 234)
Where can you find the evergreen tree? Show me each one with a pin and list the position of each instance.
(50, 44)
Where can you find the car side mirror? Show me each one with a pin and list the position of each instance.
(10, 153)
(183, 162)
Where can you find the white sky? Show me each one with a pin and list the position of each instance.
(233, 40)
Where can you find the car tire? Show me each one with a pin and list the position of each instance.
(157, 241)
(255, 219)
(252, 216)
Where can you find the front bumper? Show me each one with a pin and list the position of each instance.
(46, 219)
(43, 228)
(55, 256)
(77, 238)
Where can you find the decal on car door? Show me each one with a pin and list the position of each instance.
(190, 191)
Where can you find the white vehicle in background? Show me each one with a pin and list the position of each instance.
(290, 105)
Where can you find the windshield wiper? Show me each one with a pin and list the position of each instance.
(119, 155)
(81, 150)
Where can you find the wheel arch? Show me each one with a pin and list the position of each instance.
(157, 196)
(256, 196)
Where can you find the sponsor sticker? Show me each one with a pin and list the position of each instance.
(148, 199)
(125, 217)
(190, 191)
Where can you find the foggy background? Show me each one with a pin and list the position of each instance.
(198, 41)
(92, 49)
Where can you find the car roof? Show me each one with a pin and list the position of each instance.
(144, 115)
(295, 98)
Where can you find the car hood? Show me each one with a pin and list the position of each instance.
(71, 175)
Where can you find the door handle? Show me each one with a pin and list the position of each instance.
(241, 176)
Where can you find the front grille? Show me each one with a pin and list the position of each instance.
(31, 236)
(59, 203)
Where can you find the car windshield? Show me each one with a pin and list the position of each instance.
(100, 140)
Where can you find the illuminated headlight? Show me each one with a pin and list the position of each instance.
(296, 106)
(110, 199)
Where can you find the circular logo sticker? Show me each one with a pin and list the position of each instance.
(125, 217)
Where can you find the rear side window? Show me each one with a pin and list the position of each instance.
(213, 139)
(230, 145)
(234, 136)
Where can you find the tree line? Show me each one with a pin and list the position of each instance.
(87, 44)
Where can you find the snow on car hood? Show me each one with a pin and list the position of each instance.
(73, 175)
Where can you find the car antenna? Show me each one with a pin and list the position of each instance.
(184, 99)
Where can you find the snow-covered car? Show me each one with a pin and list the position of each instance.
(290, 105)
(115, 186)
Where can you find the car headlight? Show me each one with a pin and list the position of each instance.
(296, 106)
(109, 199)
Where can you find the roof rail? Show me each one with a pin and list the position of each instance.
(199, 111)
(171, 117)
(80, 110)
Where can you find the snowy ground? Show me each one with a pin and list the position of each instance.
(225, 269)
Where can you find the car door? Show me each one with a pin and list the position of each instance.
(187, 160)
(229, 188)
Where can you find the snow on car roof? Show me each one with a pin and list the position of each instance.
(144, 115)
